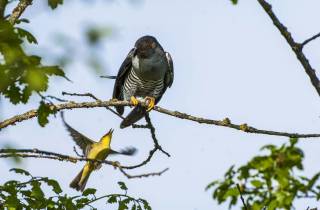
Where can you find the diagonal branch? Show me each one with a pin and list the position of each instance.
(296, 47)
(17, 12)
(224, 123)
(310, 39)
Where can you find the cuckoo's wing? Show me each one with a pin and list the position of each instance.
(81, 140)
(170, 74)
(122, 74)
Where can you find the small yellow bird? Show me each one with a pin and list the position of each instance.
(92, 150)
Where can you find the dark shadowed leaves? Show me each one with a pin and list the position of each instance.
(32, 194)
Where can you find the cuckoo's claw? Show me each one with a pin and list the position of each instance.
(134, 101)
(151, 102)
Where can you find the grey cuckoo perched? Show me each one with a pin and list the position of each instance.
(144, 75)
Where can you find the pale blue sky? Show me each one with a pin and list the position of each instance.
(230, 61)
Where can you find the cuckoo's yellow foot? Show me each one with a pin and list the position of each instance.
(134, 101)
(92, 150)
(151, 101)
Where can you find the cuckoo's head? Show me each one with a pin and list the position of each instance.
(147, 46)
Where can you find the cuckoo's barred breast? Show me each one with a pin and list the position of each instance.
(135, 86)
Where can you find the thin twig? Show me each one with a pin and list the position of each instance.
(142, 175)
(310, 39)
(224, 123)
(35, 153)
(153, 135)
(56, 98)
(18, 10)
(296, 47)
(81, 94)
(151, 153)
(243, 202)
(77, 153)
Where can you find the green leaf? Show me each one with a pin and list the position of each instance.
(210, 185)
(112, 199)
(257, 183)
(231, 192)
(89, 191)
(37, 79)
(55, 186)
(22, 20)
(54, 3)
(122, 186)
(36, 190)
(234, 2)
(20, 171)
(13, 93)
(26, 34)
(80, 203)
(122, 205)
(146, 205)
(26, 93)
(53, 70)
(133, 207)
(293, 141)
(44, 111)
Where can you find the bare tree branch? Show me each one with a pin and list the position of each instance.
(151, 153)
(296, 47)
(36, 153)
(153, 135)
(224, 123)
(94, 97)
(17, 12)
(310, 39)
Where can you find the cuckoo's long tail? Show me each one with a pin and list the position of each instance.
(136, 114)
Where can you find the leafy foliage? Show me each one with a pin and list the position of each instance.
(31, 195)
(21, 74)
(269, 180)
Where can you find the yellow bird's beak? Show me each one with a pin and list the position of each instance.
(110, 132)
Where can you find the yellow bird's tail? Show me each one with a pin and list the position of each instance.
(75, 184)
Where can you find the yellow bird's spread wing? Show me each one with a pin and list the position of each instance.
(81, 140)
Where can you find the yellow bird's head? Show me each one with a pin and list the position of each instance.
(106, 139)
